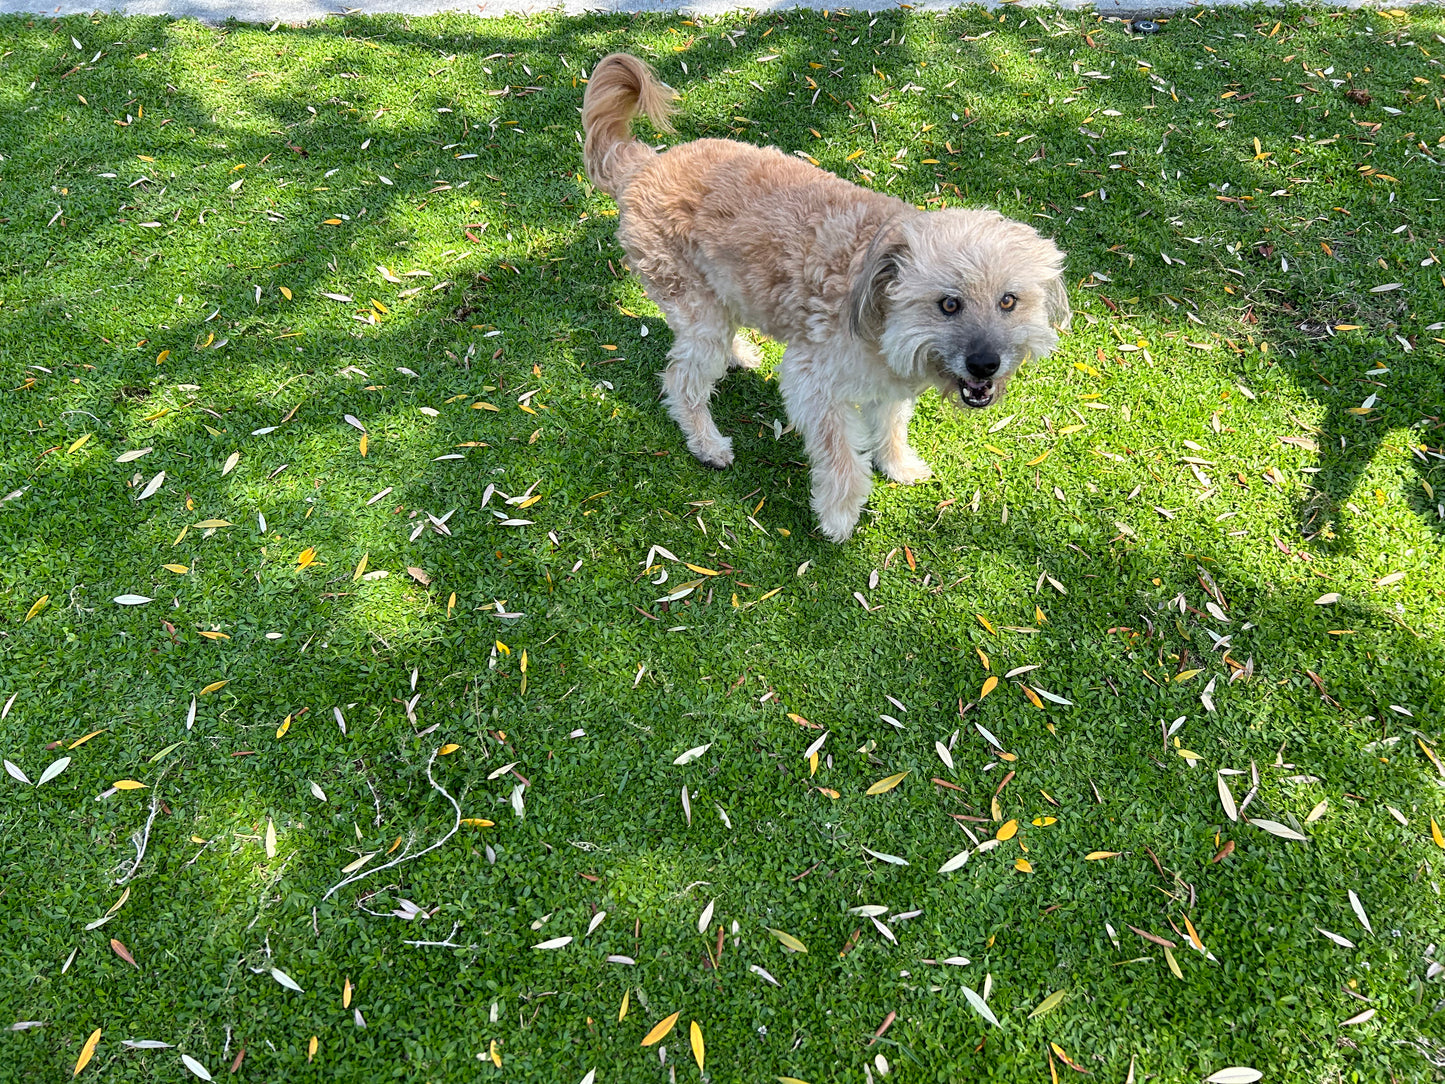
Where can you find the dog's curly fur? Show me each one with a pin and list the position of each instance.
(876, 300)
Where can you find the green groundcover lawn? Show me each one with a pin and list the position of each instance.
(387, 694)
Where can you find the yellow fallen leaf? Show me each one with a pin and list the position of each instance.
(1007, 831)
(311, 1047)
(346, 994)
(830, 792)
(1173, 963)
(128, 784)
(86, 1052)
(1023, 865)
(887, 784)
(361, 445)
(695, 1035)
(701, 571)
(787, 939)
(214, 686)
(1048, 1004)
(448, 749)
(285, 726)
(1066, 430)
(285, 292)
(985, 623)
(658, 1033)
(1188, 755)
(1033, 697)
(81, 741)
(179, 570)
(1185, 675)
(161, 357)
(35, 609)
(207, 524)
(626, 1001)
(360, 567)
(1036, 460)
(1094, 856)
(477, 822)
(1193, 934)
(1044, 822)
(79, 443)
(305, 558)
(210, 635)
(1436, 835)
(989, 685)
(496, 1054)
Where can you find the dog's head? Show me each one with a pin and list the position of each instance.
(959, 299)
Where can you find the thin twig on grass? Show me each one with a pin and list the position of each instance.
(406, 855)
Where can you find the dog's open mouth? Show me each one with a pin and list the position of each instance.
(975, 393)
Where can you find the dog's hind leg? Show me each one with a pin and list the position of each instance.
(893, 455)
(835, 435)
(701, 351)
(745, 355)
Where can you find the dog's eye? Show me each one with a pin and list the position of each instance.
(1008, 302)
(950, 305)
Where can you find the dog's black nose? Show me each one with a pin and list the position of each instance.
(982, 365)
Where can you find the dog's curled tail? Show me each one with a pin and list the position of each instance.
(621, 87)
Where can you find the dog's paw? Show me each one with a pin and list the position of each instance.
(715, 454)
(744, 354)
(837, 526)
(907, 471)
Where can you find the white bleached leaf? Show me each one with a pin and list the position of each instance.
(1344, 942)
(705, 919)
(693, 754)
(891, 859)
(145, 1044)
(869, 910)
(1226, 799)
(627, 960)
(1235, 1074)
(884, 930)
(318, 793)
(891, 721)
(132, 456)
(131, 600)
(981, 1007)
(196, 1067)
(988, 737)
(1360, 1018)
(955, 961)
(1053, 698)
(16, 773)
(285, 979)
(554, 943)
(497, 773)
(518, 805)
(596, 921)
(1274, 828)
(230, 464)
(943, 754)
(723, 816)
(763, 974)
(807, 753)
(153, 485)
(1354, 902)
(56, 767)
(1326, 599)
(686, 805)
(590, 1077)
(191, 715)
(955, 862)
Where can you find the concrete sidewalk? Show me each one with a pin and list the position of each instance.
(293, 12)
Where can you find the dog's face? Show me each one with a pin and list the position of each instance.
(960, 299)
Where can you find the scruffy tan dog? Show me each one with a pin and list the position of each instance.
(876, 300)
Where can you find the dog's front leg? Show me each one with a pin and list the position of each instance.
(894, 456)
(836, 436)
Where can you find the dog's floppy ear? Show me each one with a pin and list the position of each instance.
(878, 270)
(1056, 301)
